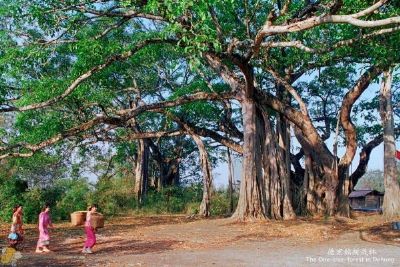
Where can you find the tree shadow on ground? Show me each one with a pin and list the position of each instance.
(113, 240)
(382, 234)
(70, 254)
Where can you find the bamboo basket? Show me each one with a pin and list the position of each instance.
(78, 218)
(97, 220)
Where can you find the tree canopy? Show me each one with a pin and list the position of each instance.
(246, 75)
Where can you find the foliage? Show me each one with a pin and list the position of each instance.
(374, 180)
(220, 203)
(114, 195)
(64, 197)
(47, 47)
(172, 199)
(371, 180)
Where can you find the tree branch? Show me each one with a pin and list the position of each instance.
(312, 22)
(291, 90)
(349, 99)
(125, 116)
(300, 45)
(85, 76)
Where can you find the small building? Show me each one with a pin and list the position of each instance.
(366, 200)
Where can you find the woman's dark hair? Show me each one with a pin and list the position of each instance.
(45, 206)
(92, 206)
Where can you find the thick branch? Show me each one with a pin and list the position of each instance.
(365, 156)
(312, 22)
(370, 9)
(85, 76)
(71, 132)
(191, 128)
(227, 75)
(291, 90)
(349, 99)
(300, 120)
(126, 115)
(301, 46)
(364, 159)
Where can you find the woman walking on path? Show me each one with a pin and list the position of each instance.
(17, 232)
(44, 224)
(90, 231)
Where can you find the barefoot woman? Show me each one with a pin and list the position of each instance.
(44, 224)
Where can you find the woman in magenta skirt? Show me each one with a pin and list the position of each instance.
(90, 231)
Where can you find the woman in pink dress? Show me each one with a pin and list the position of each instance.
(44, 224)
(90, 231)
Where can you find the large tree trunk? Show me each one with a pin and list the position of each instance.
(276, 174)
(271, 174)
(170, 172)
(308, 187)
(207, 176)
(391, 200)
(319, 184)
(141, 171)
(343, 191)
(250, 205)
(283, 131)
(230, 180)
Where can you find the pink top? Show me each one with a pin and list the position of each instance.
(44, 221)
(88, 221)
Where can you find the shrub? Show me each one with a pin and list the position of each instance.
(113, 195)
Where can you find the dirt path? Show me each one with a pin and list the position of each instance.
(282, 252)
(179, 241)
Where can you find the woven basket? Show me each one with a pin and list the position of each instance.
(97, 220)
(78, 218)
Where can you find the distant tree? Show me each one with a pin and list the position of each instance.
(372, 179)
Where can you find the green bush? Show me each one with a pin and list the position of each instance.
(172, 199)
(74, 197)
(64, 196)
(11, 194)
(32, 205)
(192, 208)
(114, 195)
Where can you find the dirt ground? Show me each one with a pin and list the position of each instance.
(158, 240)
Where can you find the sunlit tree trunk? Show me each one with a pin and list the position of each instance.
(141, 171)
(391, 200)
(283, 132)
(207, 176)
(230, 180)
(271, 173)
(250, 205)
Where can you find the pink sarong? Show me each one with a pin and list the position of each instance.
(90, 237)
(44, 222)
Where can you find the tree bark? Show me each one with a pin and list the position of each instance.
(284, 166)
(230, 180)
(250, 205)
(207, 177)
(391, 200)
(271, 173)
(141, 171)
